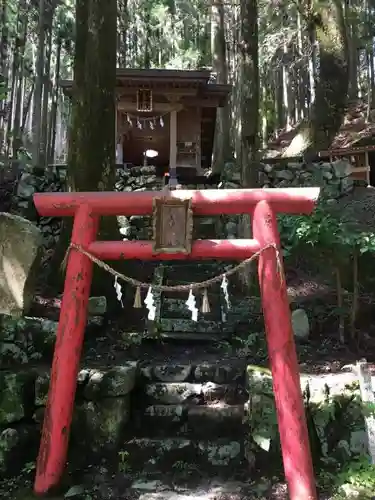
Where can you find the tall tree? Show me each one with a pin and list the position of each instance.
(4, 70)
(39, 80)
(328, 109)
(222, 149)
(248, 125)
(92, 138)
(91, 159)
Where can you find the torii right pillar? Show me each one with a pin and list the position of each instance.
(282, 354)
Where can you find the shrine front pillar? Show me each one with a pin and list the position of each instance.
(174, 100)
(173, 146)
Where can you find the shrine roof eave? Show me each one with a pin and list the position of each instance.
(157, 76)
(219, 92)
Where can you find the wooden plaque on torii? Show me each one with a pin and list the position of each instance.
(172, 225)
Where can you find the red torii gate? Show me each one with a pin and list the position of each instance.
(262, 205)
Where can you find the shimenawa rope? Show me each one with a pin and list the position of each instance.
(176, 288)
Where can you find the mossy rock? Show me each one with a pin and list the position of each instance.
(110, 382)
(94, 383)
(28, 339)
(18, 446)
(16, 396)
(335, 421)
(164, 454)
(99, 425)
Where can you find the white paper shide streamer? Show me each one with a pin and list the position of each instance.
(118, 289)
(150, 304)
(224, 287)
(191, 303)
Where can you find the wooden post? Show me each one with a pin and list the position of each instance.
(119, 138)
(367, 168)
(282, 354)
(67, 355)
(116, 131)
(368, 400)
(173, 146)
(116, 121)
(198, 141)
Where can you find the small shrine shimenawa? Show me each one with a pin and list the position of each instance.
(165, 118)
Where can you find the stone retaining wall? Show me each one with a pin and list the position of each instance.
(27, 339)
(22, 203)
(145, 178)
(334, 416)
(134, 179)
(103, 403)
(334, 178)
(101, 413)
(26, 347)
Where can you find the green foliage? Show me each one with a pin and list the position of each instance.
(252, 343)
(325, 239)
(355, 480)
(324, 235)
(124, 465)
(359, 473)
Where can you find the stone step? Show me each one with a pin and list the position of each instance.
(160, 487)
(220, 373)
(202, 421)
(196, 268)
(191, 276)
(177, 393)
(150, 455)
(189, 326)
(214, 296)
(176, 308)
(212, 264)
(183, 337)
(188, 263)
(180, 298)
(188, 273)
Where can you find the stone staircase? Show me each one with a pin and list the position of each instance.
(189, 417)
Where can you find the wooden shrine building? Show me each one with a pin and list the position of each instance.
(165, 118)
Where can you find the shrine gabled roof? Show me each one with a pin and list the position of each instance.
(167, 79)
(164, 76)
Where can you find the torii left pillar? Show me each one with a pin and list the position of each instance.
(68, 348)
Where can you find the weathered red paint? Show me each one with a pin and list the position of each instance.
(207, 202)
(283, 360)
(201, 249)
(69, 341)
(262, 204)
